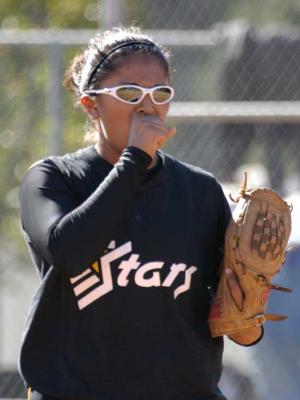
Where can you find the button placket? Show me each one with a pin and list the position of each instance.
(137, 218)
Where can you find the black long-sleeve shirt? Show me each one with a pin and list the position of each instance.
(125, 262)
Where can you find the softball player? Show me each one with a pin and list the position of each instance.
(127, 241)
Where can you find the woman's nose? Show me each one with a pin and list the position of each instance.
(146, 106)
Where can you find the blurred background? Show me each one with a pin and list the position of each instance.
(236, 72)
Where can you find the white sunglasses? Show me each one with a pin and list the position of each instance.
(133, 94)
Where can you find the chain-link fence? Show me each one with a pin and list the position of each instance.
(246, 55)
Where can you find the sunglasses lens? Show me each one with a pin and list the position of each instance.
(129, 94)
(162, 95)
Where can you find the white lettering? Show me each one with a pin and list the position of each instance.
(187, 282)
(77, 277)
(126, 267)
(175, 271)
(112, 245)
(88, 286)
(154, 280)
(107, 284)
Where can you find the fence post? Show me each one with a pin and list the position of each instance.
(54, 98)
(111, 13)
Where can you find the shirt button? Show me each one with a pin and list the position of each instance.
(138, 218)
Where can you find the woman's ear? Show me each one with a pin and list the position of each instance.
(90, 106)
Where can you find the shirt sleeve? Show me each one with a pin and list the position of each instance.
(70, 236)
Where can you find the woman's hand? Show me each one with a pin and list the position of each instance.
(249, 335)
(149, 133)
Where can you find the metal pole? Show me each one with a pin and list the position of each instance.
(111, 13)
(2, 299)
(54, 97)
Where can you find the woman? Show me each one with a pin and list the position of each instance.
(127, 243)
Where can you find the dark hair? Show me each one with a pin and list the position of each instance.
(105, 54)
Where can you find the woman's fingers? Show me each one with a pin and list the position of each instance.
(149, 133)
(235, 288)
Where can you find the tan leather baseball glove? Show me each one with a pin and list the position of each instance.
(255, 247)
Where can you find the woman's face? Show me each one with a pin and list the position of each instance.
(115, 116)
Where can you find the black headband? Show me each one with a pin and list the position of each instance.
(140, 42)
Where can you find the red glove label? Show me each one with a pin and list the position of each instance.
(217, 308)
